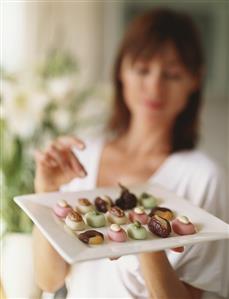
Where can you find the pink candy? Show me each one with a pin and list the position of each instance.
(142, 218)
(117, 236)
(181, 228)
(60, 211)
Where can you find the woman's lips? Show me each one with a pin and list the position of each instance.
(153, 105)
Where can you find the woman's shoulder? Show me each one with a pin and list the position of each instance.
(199, 162)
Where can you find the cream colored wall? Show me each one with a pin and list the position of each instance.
(40, 26)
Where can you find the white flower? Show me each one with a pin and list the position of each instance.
(59, 88)
(24, 108)
(61, 119)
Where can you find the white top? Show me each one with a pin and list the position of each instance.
(189, 174)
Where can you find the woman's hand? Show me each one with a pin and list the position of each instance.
(57, 165)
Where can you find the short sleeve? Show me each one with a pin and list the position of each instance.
(205, 265)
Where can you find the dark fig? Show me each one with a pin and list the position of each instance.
(126, 200)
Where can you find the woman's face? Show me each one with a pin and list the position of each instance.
(157, 90)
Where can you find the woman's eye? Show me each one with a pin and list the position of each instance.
(172, 75)
(142, 70)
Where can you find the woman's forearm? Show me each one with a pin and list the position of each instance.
(162, 281)
(50, 268)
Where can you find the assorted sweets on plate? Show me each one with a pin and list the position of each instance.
(129, 217)
(91, 237)
(75, 221)
(117, 233)
(116, 215)
(62, 208)
(103, 203)
(137, 231)
(95, 219)
(183, 226)
(159, 226)
(138, 214)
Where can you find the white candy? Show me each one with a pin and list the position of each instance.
(183, 219)
(139, 210)
(74, 225)
(115, 227)
(62, 203)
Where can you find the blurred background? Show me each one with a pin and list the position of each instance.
(56, 63)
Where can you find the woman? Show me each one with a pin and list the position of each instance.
(158, 83)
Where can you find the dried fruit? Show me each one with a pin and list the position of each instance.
(159, 226)
(126, 200)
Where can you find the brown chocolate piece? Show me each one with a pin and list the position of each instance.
(84, 202)
(91, 237)
(162, 212)
(159, 226)
(117, 212)
(102, 205)
(126, 200)
(75, 216)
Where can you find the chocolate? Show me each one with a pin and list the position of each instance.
(103, 205)
(162, 212)
(159, 226)
(126, 200)
(92, 237)
(75, 216)
(117, 212)
(84, 202)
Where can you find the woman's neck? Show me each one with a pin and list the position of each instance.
(144, 139)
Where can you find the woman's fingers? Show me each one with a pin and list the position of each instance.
(178, 249)
(114, 258)
(59, 154)
(76, 165)
(42, 159)
(70, 141)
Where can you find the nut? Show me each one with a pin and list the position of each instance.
(183, 219)
(116, 211)
(84, 202)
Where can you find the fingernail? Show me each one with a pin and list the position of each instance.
(82, 174)
(81, 146)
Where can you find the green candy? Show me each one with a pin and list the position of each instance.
(95, 219)
(137, 231)
(147, 200)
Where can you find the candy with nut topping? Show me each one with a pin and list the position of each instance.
(116, 215)
(91, 237)
(183, 226)
(162, 212)
(126, 200)
(84, 206)
(74, 221)
(103, 203)
(62, 208)
(116, 233)
(138, 214)
(159, 226)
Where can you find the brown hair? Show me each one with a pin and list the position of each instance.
(145, 36)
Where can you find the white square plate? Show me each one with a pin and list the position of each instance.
(39, 208)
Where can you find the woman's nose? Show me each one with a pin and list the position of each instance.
(154, 85)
